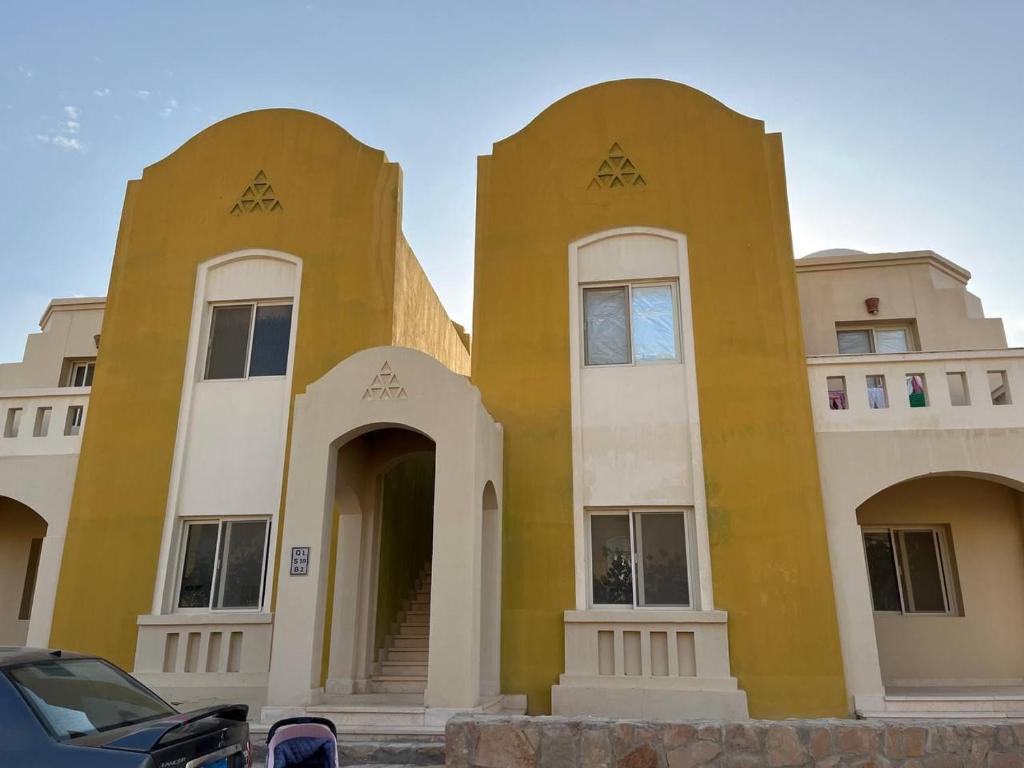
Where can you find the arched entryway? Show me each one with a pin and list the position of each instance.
(945, 562)
(373, 423)
(22, 532)
(379, 572)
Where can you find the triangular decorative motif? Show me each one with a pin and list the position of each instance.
(615, 171)
(385, 386)
(258, 197)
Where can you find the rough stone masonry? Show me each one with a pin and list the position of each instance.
(553, 742)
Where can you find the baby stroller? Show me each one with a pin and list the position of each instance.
(302, 742)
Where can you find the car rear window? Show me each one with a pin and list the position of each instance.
(76, 697)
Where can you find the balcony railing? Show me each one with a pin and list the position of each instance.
(42, 421)
(918, 391)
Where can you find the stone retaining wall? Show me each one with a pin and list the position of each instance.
(554, 742)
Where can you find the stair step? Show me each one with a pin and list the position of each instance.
(399, 642)
(391, 668)
(397, 684)
(413, 630)
(406, 654)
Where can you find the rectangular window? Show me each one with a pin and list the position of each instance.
(248, 340)
(909, 569)
(223, 563)
(877, 397)
(29, 587)
(73, 420)
(12, 424)
(81, 374)
(41, 428)
(958, 393)
(639, 558)
(837, 393)
(880, 340)
(999, 387)
(625, 324)
(917, 393)
(854, 342)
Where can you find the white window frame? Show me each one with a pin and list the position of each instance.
(631, 514)
(12, 421)
(671, 283)
(255, 304)
(180, 560)
(74, 419)
(77, 365)
(872, 331)
(940, 538)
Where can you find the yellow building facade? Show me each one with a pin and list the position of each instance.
(637, 491)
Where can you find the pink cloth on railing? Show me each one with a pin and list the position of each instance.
(837, 400)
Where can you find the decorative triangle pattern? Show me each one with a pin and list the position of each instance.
(616, 171)
(258, 197)
(385, 386)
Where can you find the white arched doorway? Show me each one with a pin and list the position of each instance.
(22, 532)
(324, 627)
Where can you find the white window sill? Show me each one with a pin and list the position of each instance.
(206, 617)
(627, 614)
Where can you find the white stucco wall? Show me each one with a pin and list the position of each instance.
(981, 646)
(229, 451)
(917, 285)
(69, 330)
(44, 484)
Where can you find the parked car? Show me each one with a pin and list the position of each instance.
(60, 709)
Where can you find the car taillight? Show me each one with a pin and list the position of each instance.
(248, 754)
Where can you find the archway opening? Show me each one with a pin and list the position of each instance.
(381, 565)
(21, 540)
(945, 561)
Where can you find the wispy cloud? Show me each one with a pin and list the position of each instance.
(25, 72)
(65, 136)
(142, 94)
(169, 108)
(101, 92)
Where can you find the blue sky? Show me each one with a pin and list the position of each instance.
(903, 122)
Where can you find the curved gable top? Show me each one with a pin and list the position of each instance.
(643, 94)
(268, 123)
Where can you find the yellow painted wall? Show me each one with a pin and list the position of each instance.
(421, 321)
(341, 215)
(715, 176)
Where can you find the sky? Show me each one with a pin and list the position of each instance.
(903, 122)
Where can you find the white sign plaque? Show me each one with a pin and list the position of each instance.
(300, 561)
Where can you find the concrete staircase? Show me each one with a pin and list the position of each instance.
(960, 702)
(401, 665)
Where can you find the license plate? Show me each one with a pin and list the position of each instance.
(222, 763)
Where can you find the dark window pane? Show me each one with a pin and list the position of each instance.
(663, 559)
(611, 560)
(606, 329)
(76, 697)
(28, 590)
(923, 571)
(270, 340)
(89, 371)
(240, 580)
(885, 590)
(229, 337)
(197, 571)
